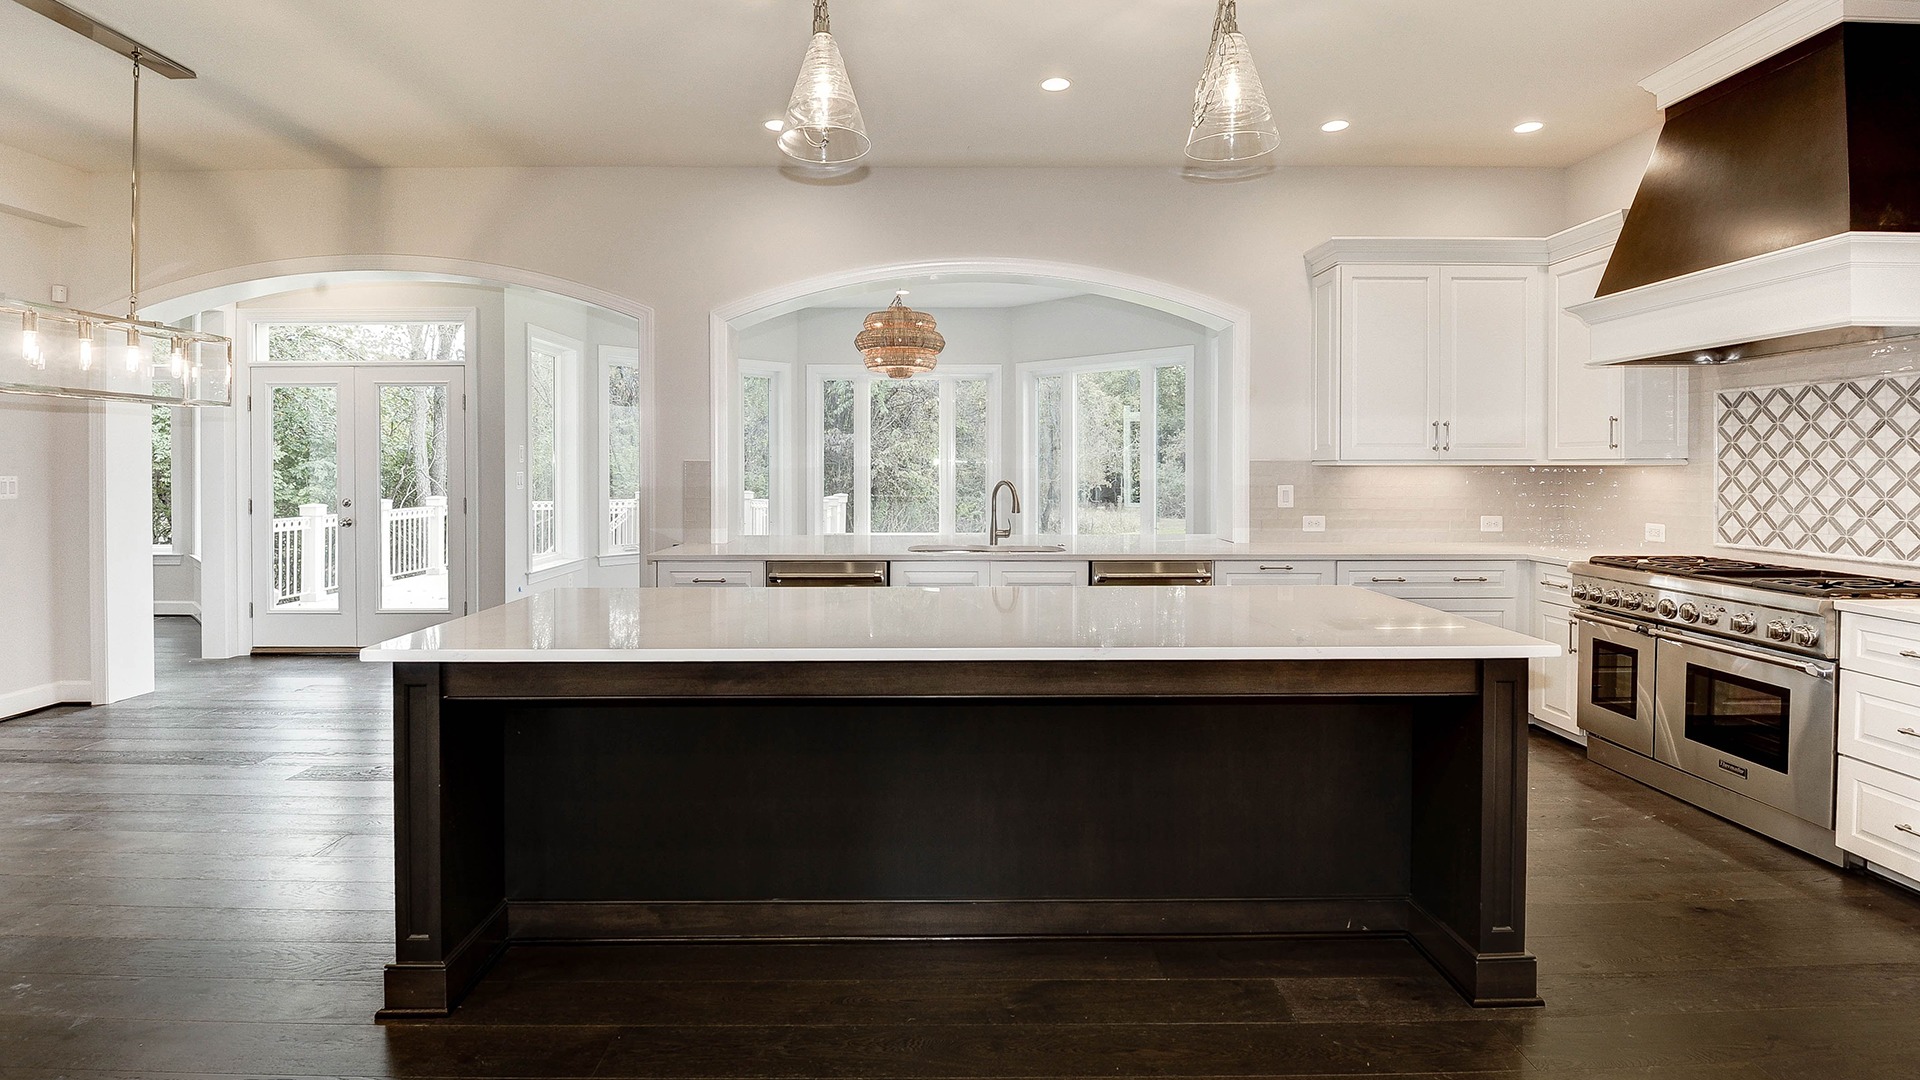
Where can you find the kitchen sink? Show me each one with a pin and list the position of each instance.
(986, 549)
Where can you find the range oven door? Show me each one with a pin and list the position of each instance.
(1751, 722)
(1615, 700)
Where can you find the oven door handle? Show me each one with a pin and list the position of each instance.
(1617, 624)
(1811, 668)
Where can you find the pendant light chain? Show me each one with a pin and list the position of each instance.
(1226, 20)
(133, 224)
(821, 23)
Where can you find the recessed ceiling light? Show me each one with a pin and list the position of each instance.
(1055, 85)
(776, 125)
(1528, 128)
(1335, 125)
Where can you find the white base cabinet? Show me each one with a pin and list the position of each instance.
(1877, 806)
(935, 573)
(1552, 681)
(1273, 572)
(1488, 591)
(712, 575)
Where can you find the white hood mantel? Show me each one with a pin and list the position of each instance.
(1853, 287)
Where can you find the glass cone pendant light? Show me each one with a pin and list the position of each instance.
(824, 126)
(1231, 118)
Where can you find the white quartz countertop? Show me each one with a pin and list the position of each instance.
(895, 548)
(770, 625)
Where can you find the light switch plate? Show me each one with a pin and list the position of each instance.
(57, 293)
(1492, 523)
(9, 487)
(1656, 534)
(1286, 496)
(1313, 523)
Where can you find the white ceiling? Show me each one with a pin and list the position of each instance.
(300, 83)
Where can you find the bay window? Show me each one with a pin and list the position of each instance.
(895, 456)
(1108, 438)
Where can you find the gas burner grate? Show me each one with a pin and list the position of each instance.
(1851, 588)
(1702, 566)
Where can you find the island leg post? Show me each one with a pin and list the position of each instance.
(449, 846)
(1468, 903)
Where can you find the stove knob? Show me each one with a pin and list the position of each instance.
(1579, 592)
(1711, 616)
(1689, 613)
(1612, 598)
(1666, 608)
(1631, 601)
(1742, 623)
(1806, 635)
(1777, 630)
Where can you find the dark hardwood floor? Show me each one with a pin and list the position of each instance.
(198, 883)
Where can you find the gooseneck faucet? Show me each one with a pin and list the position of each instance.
(995, 533)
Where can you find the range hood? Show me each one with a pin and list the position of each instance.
(1780, 213)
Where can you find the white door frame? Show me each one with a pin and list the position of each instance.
(249, 337)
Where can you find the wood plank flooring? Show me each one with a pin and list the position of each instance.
(197, 883)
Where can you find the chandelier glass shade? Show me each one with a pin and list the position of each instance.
(824, 125)
(61, 352)
(1231, 118)
(899, 341)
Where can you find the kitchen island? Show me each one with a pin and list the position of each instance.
(833, 763)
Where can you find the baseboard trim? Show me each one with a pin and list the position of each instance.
(34, 698)
(789, 920)
(1487, 980)
(177, 607)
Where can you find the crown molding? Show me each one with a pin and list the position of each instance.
(1761, 37)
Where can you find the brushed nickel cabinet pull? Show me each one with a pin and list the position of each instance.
(1448, 444)
(1435, 445)
(1613, 436)
(1282, 566)
(1399, 579)
(1909, 733)
(1908, 829)
(1482, 578)
(1910, 654)
(1563, 587)
(709, 581)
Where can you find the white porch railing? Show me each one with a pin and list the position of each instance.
(623, 524)
(306, 555)
(834, 515)
(546, 537)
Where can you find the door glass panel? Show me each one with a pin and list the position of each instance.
(413, 497)
(905, 456)
(1616, 671)
(303, 428)
(1107, 452)
(1737, 716)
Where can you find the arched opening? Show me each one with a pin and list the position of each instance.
(1119, 404)
(481, 430)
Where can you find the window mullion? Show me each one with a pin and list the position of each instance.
(1149, 450)
(1070, 453)
(948, 480)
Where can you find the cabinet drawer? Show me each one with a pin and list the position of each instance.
(1038, 573)
(1274, 572)
(1880, 721)
(1552, 584)
(1427, 579)
(727, 575)
(934, 574)
(1884, 647)
(1878, 816)
(1498, 611)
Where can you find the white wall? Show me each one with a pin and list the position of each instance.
(687, 241)
(44, 579)
(1608, 180)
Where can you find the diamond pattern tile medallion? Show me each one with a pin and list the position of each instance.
(1822, 469)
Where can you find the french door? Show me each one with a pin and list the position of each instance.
(359, 509)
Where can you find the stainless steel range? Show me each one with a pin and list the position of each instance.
(1715, 680)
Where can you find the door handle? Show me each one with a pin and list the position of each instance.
(346, 523)
(1447, 446)
(1613, 436)
(346, 504)
(1435, 445)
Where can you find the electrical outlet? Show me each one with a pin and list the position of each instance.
(1313, 523)
(1656, 534)
(1492, 523)
(1286, 496)
(9, 487)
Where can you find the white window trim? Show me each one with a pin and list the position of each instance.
(1146, 361)
(569, 358)
(610, 357)
(864, 380)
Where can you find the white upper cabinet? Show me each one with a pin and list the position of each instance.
(1461, 351)
(1603, 413)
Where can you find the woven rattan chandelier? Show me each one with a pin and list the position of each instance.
(900, 341)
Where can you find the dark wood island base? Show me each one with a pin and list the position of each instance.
(563, 802)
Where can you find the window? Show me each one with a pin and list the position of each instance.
(621, 463)
(414, 342)
(760, 386)
(902, 455)
(1109, 443)
(162, 478)
(543, 458)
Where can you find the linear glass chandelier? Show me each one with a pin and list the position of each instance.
(1231, 118)
(824, 125)
(63, 352)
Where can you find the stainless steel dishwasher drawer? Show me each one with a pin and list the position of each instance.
(1163, 572)
(858, 574)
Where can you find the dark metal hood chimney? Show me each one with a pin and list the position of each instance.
(1780, 213)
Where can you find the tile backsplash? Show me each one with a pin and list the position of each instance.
(1829, 468)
